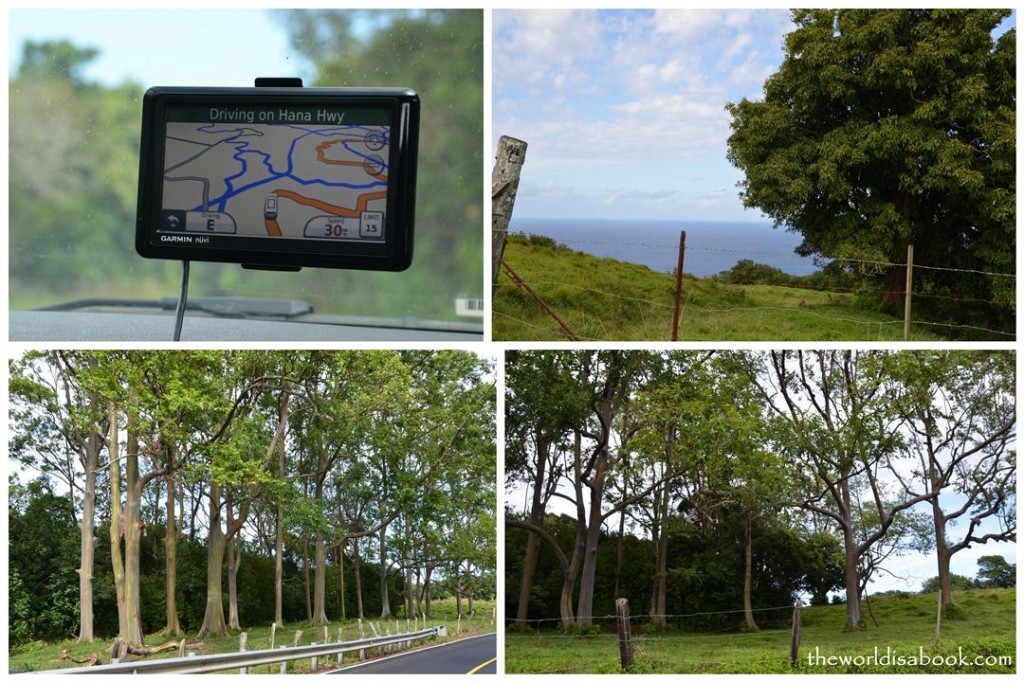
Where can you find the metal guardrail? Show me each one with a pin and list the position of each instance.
(243, 659)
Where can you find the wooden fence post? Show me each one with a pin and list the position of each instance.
(284, 664)
(243, 645)
(679, 285)
(622, 621)
(273, 633)
(906, 302)
(508, 165)
(341, 656)
(794, 645)
(314, 663)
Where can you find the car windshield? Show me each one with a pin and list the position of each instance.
(76, 85)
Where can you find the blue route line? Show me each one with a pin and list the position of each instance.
(242, 149)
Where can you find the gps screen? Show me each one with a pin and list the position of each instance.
(265, 182)
(276, 172)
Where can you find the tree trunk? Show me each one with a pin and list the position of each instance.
(748, 571)
(173, 626)
(942, 554)
(660, 539)
(357, 562)
(234, 551)
(407, 560)
(88, 527)
(341, 576)
(428, 612)
(320, 587)
(385, 609)
(279, 531)
(585, 611)
(319, 549)
(851, 577)
(116, 560)
(532, 541)
(306, 581)
(133, 525)
(213, 620)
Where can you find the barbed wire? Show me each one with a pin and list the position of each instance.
(798, 309)
(535, 326)
(793, 287)
(667, 615)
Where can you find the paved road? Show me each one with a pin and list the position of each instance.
(476, 655)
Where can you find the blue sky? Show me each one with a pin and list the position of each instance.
(624, 112)
(166, 47)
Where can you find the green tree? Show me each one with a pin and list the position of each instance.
(884, 128)
(956, 582)
(995, 571)
(838, 427)
(961, 416)
(438, 53)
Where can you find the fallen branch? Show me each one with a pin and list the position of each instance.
(88, 662)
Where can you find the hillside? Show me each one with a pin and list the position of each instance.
(985, 627)
(605, 299)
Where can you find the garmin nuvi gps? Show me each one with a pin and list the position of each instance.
(279, 177)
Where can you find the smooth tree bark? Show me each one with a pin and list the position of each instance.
(748, 571)
(173, 626)
(234, 551)
(356, 564)
(385, 609)
(214, 624)
(116, 529)
(282, 416)
(93, 445)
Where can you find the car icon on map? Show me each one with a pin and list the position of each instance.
(270, 207)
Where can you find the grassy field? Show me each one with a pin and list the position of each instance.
(605, 299)
(49, 655)
(986, 627)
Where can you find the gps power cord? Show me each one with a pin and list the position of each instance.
(179, 311)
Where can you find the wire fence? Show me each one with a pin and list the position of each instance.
(646, 617)
(650, 309)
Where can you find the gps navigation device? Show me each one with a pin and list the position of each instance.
(279, 177)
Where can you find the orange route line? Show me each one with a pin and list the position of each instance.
(320, 148)
(361, 204)
(273, 229)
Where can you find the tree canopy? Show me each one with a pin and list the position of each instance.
(884, 128)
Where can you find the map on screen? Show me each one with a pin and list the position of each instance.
(308, 174)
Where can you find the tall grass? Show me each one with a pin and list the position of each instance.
(605, 299)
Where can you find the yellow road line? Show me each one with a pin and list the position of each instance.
(482, 665)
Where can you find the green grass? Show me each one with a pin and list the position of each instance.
(48, 655)
(605, 299)
(905, 623)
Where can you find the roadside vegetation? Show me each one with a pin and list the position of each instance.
(69, 653)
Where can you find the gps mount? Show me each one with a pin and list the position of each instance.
(278, 177)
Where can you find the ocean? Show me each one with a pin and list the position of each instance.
(711, 246)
